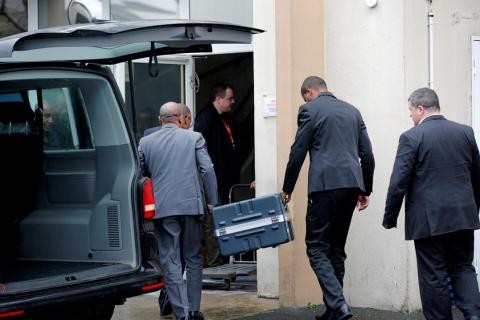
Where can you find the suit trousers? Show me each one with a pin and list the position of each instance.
(328, 219)
(177, 236)
(451, 254)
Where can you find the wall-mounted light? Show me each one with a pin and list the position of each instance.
(371, 3)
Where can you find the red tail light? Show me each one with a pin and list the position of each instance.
(148, 200)
(153, 286)
(12, 314)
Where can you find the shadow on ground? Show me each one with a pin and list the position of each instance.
(359, 314)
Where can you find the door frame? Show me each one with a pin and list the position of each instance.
(188, 83)
(476, 126)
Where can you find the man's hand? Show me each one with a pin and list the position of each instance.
(389, 224)
(362, 202)
(286, 197)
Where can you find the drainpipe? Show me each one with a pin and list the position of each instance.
(430, 49)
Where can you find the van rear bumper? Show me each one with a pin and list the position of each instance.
(106, 291)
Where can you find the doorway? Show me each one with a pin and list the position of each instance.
(235, 69)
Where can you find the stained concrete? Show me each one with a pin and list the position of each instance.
(243, 304)
(216, 305)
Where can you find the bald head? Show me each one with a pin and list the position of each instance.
(170, 112)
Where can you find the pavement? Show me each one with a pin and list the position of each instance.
(241, 303)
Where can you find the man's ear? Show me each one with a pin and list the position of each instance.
(179, 122)
(159, 120)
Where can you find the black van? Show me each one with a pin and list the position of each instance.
(74, 209)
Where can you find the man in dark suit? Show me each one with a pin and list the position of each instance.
(437, 168)
(219, 132)
(222, 144)
(334, 134)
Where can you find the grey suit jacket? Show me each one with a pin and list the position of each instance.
(341, 156)
(172, 157)
(437, 169)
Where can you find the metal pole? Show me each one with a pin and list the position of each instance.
(430, 49)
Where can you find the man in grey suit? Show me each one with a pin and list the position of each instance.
(334, 134)
(437, 169)
(172, 157)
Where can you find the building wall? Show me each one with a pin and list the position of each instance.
(365, 66)
(232, 11)
(300, 52)
(373, 58)
(265, 133)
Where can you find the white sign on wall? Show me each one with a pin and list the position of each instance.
(269, 106)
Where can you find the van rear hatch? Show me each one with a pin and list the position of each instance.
(114, 42)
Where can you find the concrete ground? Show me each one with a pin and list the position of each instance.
(242, 303)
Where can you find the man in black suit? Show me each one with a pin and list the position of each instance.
(437, 168)
(222, 141)
(334, 134)
(222, 145)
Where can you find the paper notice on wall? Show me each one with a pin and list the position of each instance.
(269, 106)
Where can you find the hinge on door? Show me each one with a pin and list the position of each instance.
(190, 33)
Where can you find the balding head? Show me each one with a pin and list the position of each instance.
(170, 112)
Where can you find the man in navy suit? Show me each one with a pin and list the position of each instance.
(437, 170)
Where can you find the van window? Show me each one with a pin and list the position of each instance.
(65, 125)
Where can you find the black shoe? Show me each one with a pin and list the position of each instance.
(325, 315)
(164, 303)
(342, 313)
(196, 315)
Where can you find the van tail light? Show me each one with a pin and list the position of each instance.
(148, 200)
(12, 314)
(154, 287)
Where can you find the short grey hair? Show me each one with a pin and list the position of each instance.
(424, 97)
(312, 82)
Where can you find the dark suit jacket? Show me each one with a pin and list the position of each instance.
(334, 134)
(224, 155)
(151, 130)
(437, 168)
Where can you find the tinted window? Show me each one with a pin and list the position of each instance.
(65, 125)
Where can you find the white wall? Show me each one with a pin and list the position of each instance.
(232, 11)
(365, 66)
(265, 133)
(375, 57)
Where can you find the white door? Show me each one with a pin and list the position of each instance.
(476, 124)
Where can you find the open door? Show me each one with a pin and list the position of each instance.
(113, 42)
(171, 78)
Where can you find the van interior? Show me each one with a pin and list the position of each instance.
(67, 167)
